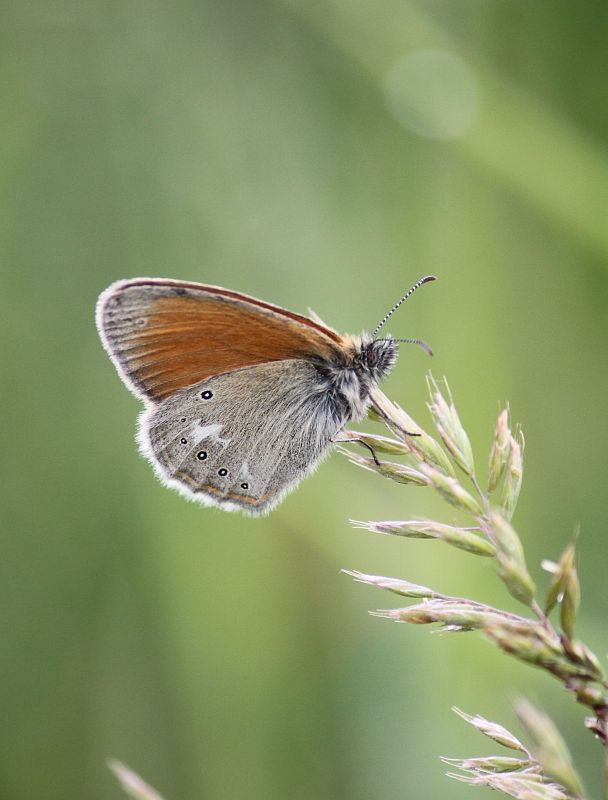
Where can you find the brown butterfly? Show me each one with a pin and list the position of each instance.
(243, 398)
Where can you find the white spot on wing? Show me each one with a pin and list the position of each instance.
(245, 474)
(199, 432)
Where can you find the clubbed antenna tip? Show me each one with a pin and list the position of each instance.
(426, 279)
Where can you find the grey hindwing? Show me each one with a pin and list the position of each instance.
(242, 439)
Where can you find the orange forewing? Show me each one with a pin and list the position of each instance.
(164, 335)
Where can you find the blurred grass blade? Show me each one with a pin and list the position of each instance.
(131, 783)
(549, 748)
(521, 140)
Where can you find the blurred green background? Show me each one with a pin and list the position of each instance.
(322, 154)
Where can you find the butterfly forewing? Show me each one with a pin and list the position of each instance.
(219, 440)
(164, 336)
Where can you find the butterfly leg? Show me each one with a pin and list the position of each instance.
(345, 436)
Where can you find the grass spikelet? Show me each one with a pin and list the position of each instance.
(545, 771)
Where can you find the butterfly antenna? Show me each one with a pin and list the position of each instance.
(426, 279)
(419, 342)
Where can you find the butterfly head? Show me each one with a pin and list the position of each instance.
(376, 357)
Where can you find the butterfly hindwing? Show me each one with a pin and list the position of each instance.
(244, 438)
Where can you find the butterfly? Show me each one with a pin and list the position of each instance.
(242, 398)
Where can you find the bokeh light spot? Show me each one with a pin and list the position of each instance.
(433, 93)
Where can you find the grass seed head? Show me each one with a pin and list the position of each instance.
(450, 428)
(499, 454)
(513, 475)
(451, 490)
(396, 585)
(429, 529)
(510, 557)
(492, 730)
(421, 445)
